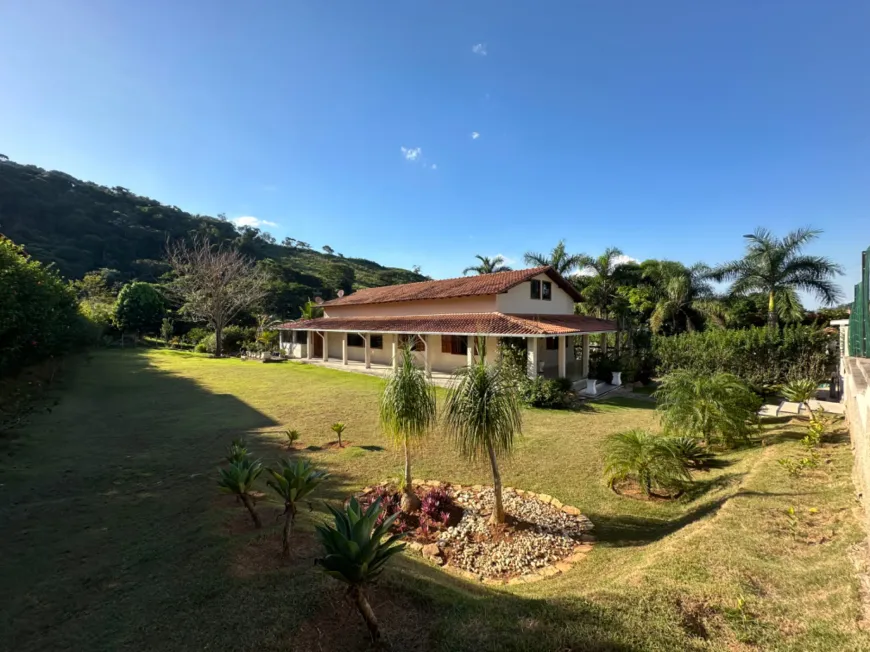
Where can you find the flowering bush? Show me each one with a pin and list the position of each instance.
(437, 507)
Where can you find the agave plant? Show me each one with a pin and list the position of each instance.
(237, 451)
(338, 428)
(646, 458)
(238, 478)
(292, 482)
(292, 437)
(801, 391)
(356, 552)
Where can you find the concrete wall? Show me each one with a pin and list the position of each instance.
(485, 303)
(518, 300)
(856, 394)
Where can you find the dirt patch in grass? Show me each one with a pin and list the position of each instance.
(405, 624)
(697, 617)
(262, 555)
(333, 445)
(631, 489)
(238, 519)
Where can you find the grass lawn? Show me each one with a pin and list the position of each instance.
(115, 537)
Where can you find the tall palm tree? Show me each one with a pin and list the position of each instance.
(602, 276)
(483, 417)
(683, 296)
(776, 266)
(488, 265)
(406, 412)
(559, 259)
(311, 310)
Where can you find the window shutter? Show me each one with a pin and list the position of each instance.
(446, 344)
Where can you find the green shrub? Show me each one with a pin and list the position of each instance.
(139, 308)
(716, 406)
(650, 460)
(196, 335)
(690, 451)
(553, 393)
(39, 315)
(763, 357)
(234, 340)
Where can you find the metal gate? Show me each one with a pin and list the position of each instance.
(859, 320)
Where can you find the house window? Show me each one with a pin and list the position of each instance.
(415, 340)
(355, 339)
(552, 344)
(546, 290)
(376, 341)
(536, 289)
(454, 344)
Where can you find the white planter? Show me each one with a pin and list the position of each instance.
(617, 378)
(591, 386)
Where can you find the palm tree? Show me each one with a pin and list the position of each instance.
(238, 478)
(649, 459)
(801, 391)
(561, 261)
(292, 482)
(488, 265)
(483, 417)
(311, 310)
(356, 552)
(600, 288)
(683, 295)
(699, 404)
(407, 410)
(338, 428)
(776, 266)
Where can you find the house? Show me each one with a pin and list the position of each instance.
(445, 320)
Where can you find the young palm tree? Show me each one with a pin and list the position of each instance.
(483, 417)
(292, 482)
(356, 552)
(776, 266)
(560, 260)
(683, 295)
(488, 265)
(647, 458)
(238, 478)
(407, 410)
(311, 310)
(339, 428)
(706, 405)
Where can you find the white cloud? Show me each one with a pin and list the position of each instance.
(474, 135)
(507, 260)
(479, 49)
(250, 220)
(411, 153)
(619, 260)
(434, 167)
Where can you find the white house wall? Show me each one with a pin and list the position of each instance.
(518, 300)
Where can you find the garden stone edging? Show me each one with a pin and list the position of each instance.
(433, 551)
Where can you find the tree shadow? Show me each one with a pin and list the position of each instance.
(622, 402)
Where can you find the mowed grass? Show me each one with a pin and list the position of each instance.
(114, 536)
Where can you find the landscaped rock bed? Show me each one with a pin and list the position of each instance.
(542, 537)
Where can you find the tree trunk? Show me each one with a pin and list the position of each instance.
(289, 518)
(218, 341)
(618, 337)
(246, 500)
(497, 509)
(366, 612)
(410, 502)
(771, 311)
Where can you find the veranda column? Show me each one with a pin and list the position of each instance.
(427, 366)
(532, 359)
(344, 349)
(325, 337)
(281, 341)
(562, 355)
(470, 353)
(584, 339)
(395, 352)
(309, 345)
(368, 354)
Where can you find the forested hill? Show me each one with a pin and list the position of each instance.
(81, 226)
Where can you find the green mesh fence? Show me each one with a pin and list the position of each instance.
(859, 320)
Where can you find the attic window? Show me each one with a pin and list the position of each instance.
(546, 291)
(536, 289)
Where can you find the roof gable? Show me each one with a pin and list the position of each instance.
(452, 288)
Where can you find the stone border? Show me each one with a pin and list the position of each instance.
(587, 541)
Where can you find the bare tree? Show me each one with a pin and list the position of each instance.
(214, 283)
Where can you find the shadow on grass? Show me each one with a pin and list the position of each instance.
(623, 402)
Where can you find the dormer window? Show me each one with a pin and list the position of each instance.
(542, 290)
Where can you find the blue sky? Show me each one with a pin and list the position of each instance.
(666, 128)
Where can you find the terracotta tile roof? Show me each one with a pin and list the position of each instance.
(490, 323)
(451, 288)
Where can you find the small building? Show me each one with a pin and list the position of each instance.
(444, 322)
